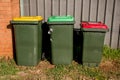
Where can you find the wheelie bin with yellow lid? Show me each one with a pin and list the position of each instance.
(28, 39)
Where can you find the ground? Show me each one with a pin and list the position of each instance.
(108, 69)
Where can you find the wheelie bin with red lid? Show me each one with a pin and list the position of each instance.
(93, 42)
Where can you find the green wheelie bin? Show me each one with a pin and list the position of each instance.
(28, 34)
(61, 30)
(93, 42)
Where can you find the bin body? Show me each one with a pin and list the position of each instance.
(61, 40)
(28, 36)
(93, 42)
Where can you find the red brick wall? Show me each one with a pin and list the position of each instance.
(8, 10)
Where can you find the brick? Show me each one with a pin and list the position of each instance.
(15, 1)
(6, 54)
(1, 1)
(5, 8)
(8, 10)
(5, 23)
(16, 10)
(5, 16)
(5, 12)
(5, 4)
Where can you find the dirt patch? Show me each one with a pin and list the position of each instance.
(111, 65)
(106, 66)
(110, 70)
(45, 65)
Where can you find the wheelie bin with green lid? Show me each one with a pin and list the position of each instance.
(93, 42)
(28, 34)
(61, 30)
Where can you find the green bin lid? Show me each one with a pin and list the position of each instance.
(67, 18)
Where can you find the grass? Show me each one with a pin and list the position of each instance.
(113, 54)
(109, 69)
(111, 60)
(75, 72)
(7, 67)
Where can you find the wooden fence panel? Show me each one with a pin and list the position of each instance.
(108, 19)
(106, 11)
(116, 24)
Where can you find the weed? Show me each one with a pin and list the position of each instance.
(7, 67)
(109, 53)
(75, 72)
(58, 72)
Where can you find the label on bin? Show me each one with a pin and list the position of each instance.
(28, 18)
(96, 25)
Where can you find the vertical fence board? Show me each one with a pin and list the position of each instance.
(70, 7)
(40, 7)
(77, 13)
(47, 9)
(118, 45)
(108, 20)
(26, 7)
(85, 12)
(116, 24)
(63, 10)
(101, 10)
(33, 7)
(55, 7)
(93, 10)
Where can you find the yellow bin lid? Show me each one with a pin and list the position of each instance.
(28, 18)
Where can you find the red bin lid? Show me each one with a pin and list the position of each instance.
(95, 25)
